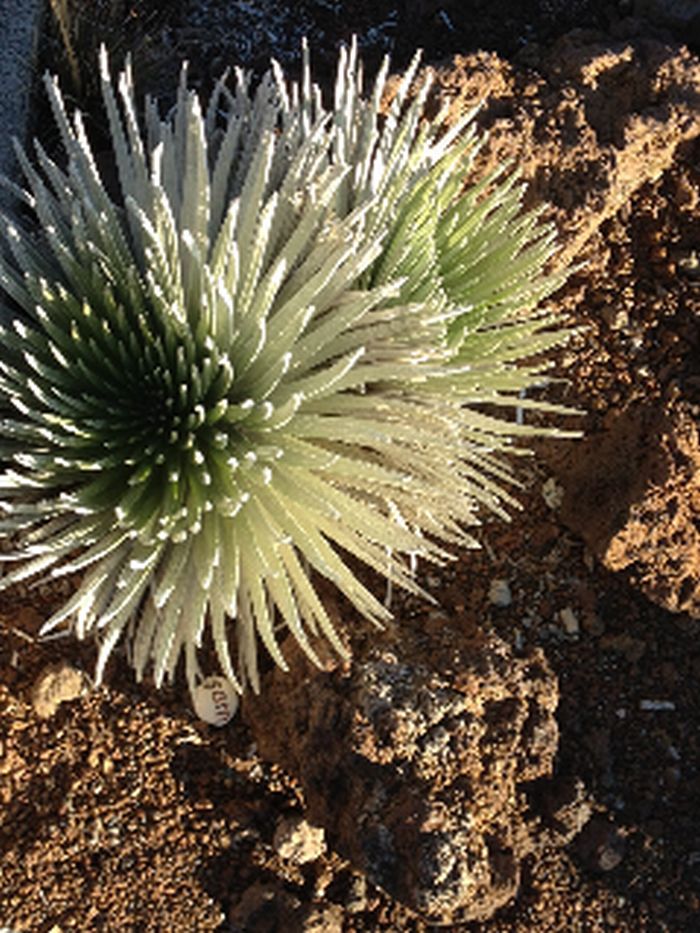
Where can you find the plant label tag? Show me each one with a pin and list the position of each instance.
(215, 701)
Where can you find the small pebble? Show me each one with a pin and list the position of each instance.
(298, 841)
(690, 265)
(657, 706)
(569, 621)
(58, 683)
(552, 493)
(499, 593)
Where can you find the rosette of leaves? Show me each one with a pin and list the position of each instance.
(263, 359)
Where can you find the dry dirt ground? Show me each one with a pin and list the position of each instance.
(577, 621)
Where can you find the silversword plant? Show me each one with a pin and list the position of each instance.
(270, 353)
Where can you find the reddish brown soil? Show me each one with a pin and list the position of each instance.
(120, 811)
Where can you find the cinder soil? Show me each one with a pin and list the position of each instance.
(120, 811)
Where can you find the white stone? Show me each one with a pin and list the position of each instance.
(657, 706)
(215, 701)
(499, 593)
(569, 621)
(298, 841)
(552, 493)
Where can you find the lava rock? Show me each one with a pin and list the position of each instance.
(412, 760)
(634, 497)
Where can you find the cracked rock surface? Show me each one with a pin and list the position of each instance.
(413, 762)
(635, 499)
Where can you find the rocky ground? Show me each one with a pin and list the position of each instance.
(523, 755)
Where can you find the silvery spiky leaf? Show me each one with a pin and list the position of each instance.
(262, 357)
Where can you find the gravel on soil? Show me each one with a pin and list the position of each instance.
(121, 811)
